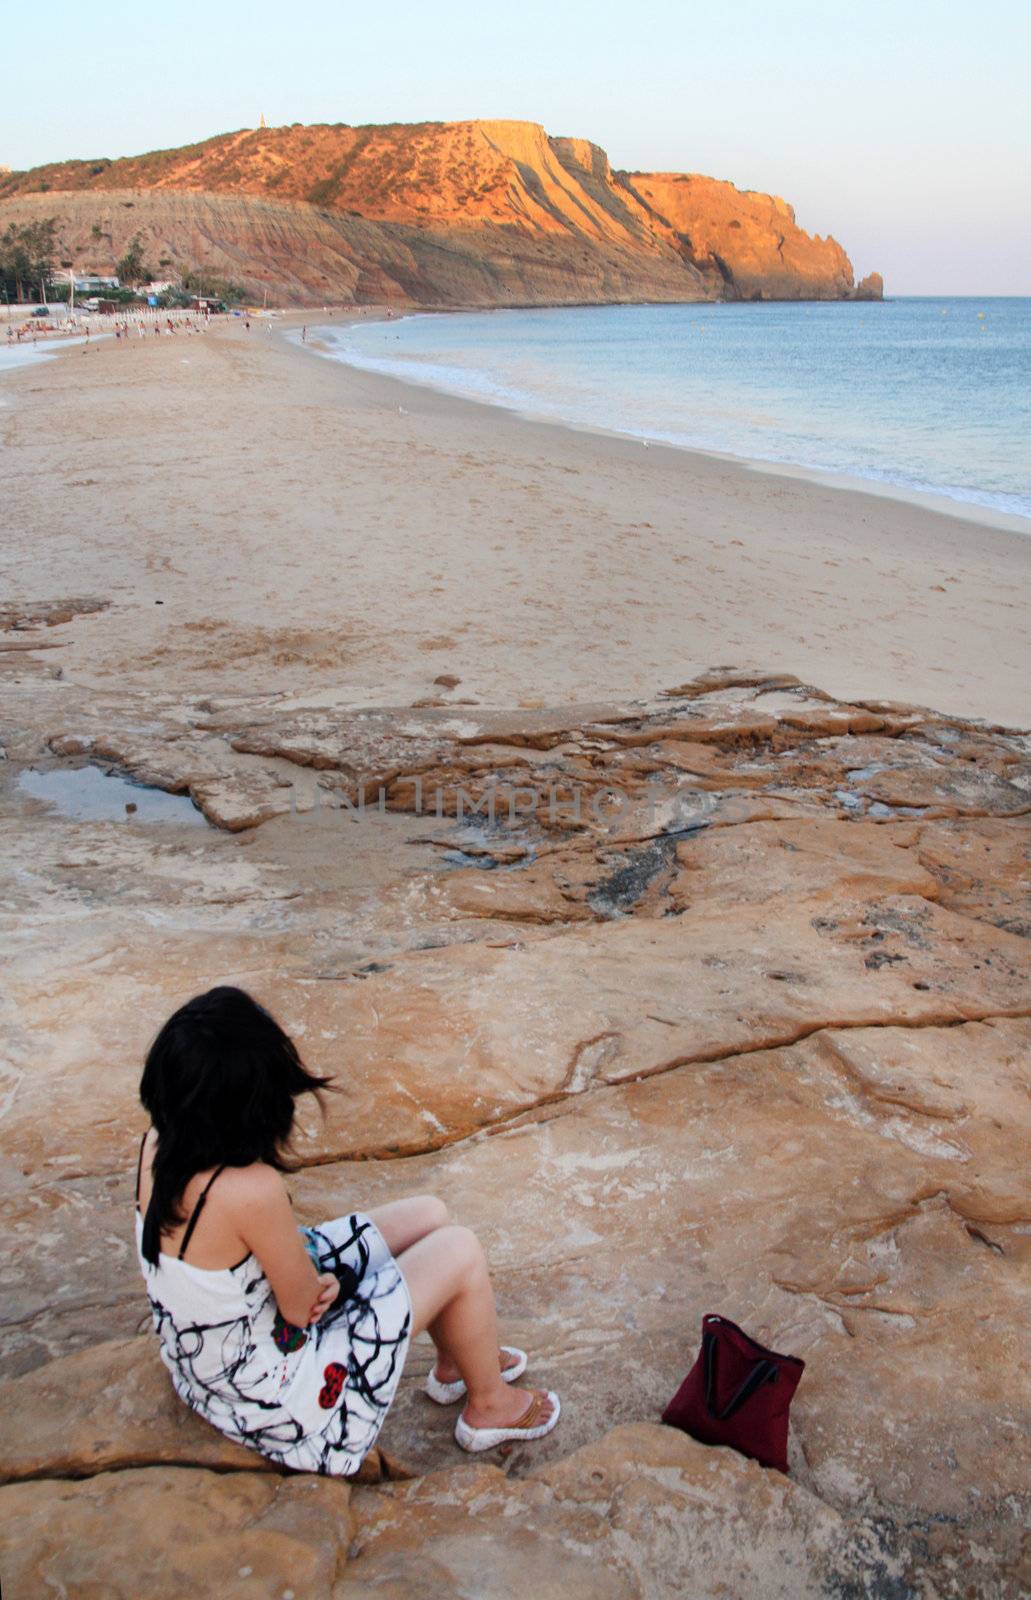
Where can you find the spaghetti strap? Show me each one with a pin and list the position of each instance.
(195, 1213)
(139, 1167)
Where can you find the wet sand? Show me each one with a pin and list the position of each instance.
(263, 520)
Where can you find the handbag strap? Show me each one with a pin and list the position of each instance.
(762, 1372)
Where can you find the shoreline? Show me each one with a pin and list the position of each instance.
(319, 533)
(855, 482)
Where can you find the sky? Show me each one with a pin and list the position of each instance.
(899, 126)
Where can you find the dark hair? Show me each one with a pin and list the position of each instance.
(220, 1082)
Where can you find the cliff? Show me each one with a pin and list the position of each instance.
(751, 240)
(480, 213)
(304, 255)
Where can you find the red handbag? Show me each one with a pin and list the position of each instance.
(737, 1393)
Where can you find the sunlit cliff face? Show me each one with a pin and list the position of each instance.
(573, 229)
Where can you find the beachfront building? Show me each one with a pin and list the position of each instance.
(92, 283)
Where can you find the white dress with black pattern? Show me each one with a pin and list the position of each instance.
(313, 1399)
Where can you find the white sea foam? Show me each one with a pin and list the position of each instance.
(23, 354)
(896, 395)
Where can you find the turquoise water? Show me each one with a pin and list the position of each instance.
(922, 394)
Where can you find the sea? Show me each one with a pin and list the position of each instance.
(912, 394)
(25, 353)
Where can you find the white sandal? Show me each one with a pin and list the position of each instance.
(527, 1427)
(445, 1394)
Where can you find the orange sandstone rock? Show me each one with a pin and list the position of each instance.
(470, 213)
(758, 1044)
(750, 242)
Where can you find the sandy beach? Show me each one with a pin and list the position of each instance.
(264, 520)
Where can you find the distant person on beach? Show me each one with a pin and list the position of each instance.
(304, 336)
(292, 1340)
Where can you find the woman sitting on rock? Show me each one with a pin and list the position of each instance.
(292, 1340)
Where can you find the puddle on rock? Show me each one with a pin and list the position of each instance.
(488, 846)
(87, 794)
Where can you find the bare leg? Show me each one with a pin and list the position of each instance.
(450, 1288)
(402, 1224)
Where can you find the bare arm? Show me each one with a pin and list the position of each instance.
(267, 1226)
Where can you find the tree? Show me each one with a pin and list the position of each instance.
(131, 269)
(27, 258)
(206, 283)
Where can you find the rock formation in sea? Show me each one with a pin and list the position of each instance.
(722, 1005)
(437, 214)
